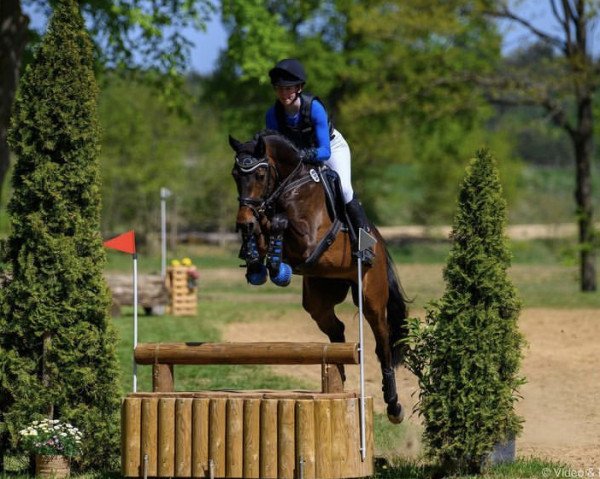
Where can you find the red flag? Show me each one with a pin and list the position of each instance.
(124, 242)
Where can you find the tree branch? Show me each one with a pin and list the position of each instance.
(515, 92)
(506, 13)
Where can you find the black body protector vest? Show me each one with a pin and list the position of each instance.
(303, 135)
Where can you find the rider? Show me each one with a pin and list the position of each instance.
(302, 118)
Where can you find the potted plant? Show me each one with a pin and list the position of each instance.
(54, 443)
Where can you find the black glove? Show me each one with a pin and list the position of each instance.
(308, 155)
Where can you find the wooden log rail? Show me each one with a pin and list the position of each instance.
(163, 356)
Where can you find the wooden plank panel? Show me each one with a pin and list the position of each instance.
(305, 438)
(352, 464)
(130, 437)
(286, 444)
(268, 438)
(200, 437)
(339, 437)
(251, 438)
(150, 434)
(166, 437)
(234, 438)
(183, 437)
(323, 438)
(216, 435)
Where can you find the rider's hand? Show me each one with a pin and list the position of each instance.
(308, 155)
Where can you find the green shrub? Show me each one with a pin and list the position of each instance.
(467, 353)
(57, 344)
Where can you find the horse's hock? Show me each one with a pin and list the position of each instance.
(245, 434)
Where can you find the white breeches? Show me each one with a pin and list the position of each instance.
(339, 161)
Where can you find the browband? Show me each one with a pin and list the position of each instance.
(248, 163)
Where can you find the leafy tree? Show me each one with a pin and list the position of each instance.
(143, 149)
(57, 345)
(147, 146)
(563, 87)
(467, 353)
(386, 71)
(126, 32)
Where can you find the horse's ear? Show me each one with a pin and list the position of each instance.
(235, 144)
(261, 148)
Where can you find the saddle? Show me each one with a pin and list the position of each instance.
(336, 208)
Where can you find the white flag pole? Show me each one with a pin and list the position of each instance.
(135, 318)
(164, 194)
(365, 240)
(361, 349)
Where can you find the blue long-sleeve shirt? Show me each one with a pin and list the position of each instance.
(318, 117)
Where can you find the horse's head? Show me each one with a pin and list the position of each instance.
(255, 176)
(261, 165)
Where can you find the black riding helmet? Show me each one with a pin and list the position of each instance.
(288, 72)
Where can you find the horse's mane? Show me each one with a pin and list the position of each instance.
(278, 137)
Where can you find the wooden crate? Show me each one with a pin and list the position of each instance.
(183, 300)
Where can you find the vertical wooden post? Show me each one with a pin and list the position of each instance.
(323, 438)
(339, 437)
(216, 434)
(130, 437)
(251, 438)
(163, 378)
(268, 438)
(351, 421)
(200, 437)
(166, 437)
(150, 434)
(305, 437)
(234, 438)
(285, 439)
(331, 378)
(183, 437)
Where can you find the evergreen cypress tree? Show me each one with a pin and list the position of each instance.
(468, 352)
(57, 344)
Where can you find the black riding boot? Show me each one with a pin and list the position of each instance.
(359, 219)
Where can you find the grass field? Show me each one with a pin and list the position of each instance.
(540, 272)
(542, 275)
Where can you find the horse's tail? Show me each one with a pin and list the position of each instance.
(397, 312)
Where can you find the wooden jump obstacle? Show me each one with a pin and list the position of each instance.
(183, 300)
(245, 434)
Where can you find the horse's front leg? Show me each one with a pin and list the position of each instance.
(319, 298)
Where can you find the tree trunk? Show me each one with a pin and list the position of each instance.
(13, 38)
(583, 142)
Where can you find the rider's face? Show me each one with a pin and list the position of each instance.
(287, 95)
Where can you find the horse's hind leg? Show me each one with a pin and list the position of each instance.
(319, 298)
(375, 305)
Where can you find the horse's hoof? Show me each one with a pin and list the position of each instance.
(395, 413)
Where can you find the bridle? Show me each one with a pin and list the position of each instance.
(260, 207)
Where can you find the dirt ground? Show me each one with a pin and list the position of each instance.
(561, 401)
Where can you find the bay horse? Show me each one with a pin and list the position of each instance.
(284, 218)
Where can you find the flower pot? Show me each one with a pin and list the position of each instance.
(52, 466)
(503, 452)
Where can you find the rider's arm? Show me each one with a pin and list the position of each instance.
(271, 119)
(318, 115)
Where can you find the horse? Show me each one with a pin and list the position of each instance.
(284, 219)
